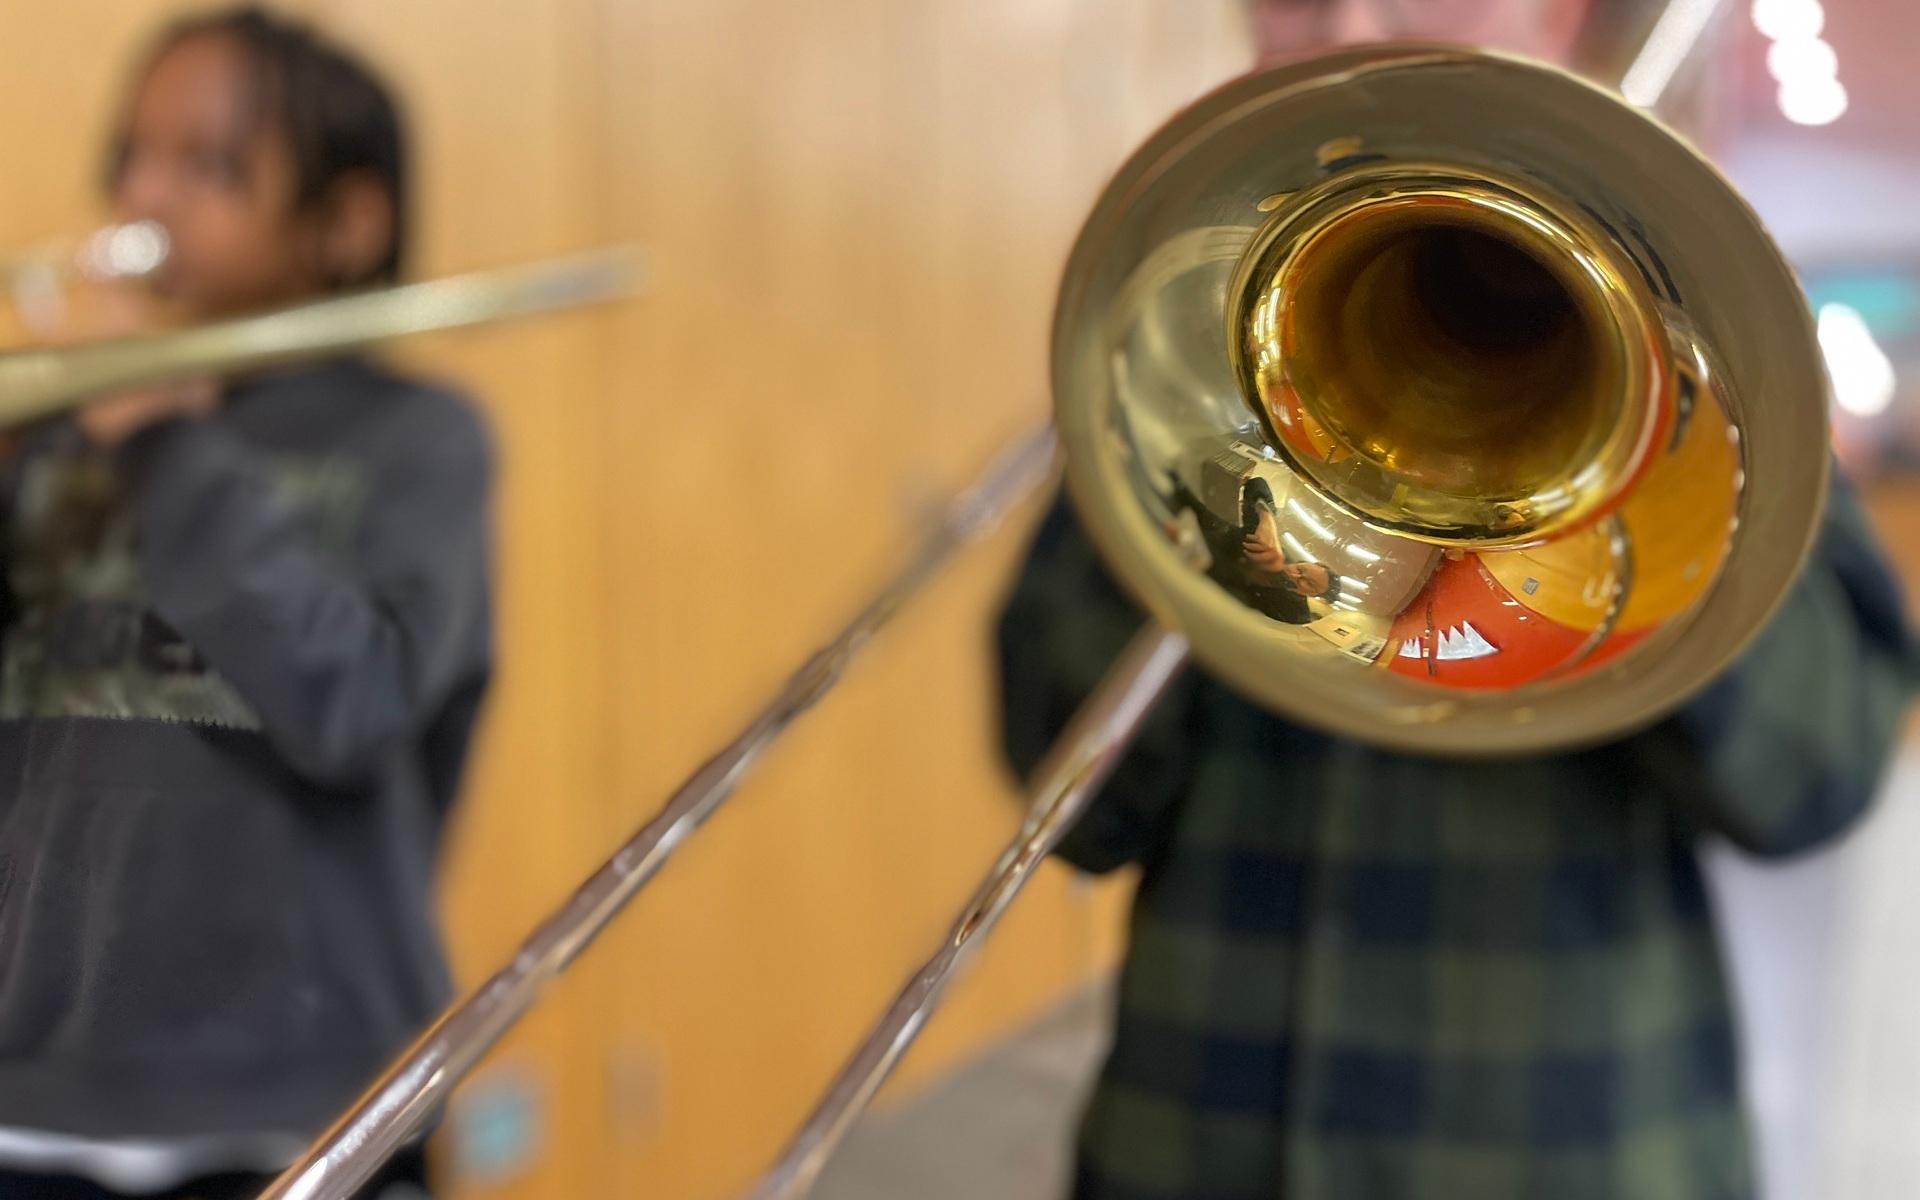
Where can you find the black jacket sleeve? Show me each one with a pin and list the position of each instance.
(1786, 750)
(1059, 631)
(343, 660)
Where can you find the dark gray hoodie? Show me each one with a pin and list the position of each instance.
(240, 670)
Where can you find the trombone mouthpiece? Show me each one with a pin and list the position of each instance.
(131, 251)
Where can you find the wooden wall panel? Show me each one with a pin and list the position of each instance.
(860, 212)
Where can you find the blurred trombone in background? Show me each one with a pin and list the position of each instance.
(41, 280)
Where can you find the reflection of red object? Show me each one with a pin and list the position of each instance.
(1296, 428)
(1466, 631)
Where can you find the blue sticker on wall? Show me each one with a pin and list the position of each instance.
(496, 1127)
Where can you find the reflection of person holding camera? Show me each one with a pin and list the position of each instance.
(1249, 562)
(1263, 553)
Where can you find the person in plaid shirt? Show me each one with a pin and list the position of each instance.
(1357, 974)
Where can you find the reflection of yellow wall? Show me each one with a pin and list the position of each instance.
(1678, 522)
(857, 210)
(1680, 519)
(1570, 581)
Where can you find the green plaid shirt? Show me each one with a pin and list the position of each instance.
(1354, 974)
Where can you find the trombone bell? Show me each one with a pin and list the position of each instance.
(1441, 399)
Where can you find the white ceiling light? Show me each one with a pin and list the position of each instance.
(1802, 58)
(1806, 67)
(1863, 378)
(1789, 20)
(1813, 101)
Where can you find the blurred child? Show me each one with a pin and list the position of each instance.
(246, 631)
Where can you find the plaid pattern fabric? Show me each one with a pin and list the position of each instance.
(1355, 975)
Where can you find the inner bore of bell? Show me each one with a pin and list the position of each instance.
(1450, 348)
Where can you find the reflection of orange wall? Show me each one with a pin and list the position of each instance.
(856, 211)
(1463, 599)
(1500, 640)
(1535, 607)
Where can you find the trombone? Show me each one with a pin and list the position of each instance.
(39, 383)
(1414, 422)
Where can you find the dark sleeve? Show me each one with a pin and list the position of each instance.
(1060, 630)
(342, 660)
(1786, 750)
(16, 447)
(12, 449)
